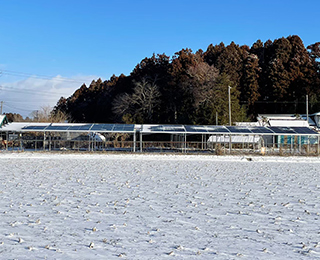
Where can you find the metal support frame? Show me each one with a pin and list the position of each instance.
(141, 142)
(134, 141)
(303, 143)
(7, 137)
(89, 142)
(44, 141)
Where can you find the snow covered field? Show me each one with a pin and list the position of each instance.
(106, 206)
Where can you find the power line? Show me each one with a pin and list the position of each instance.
(17, 108)
(29, 75)
(29, 91)
(21, 103)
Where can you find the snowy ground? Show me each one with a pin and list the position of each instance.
(106, 206)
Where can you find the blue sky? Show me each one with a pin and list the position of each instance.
(44, 42)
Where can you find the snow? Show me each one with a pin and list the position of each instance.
(153, 206)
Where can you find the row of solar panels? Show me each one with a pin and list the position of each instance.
(231, 130)
(118, 128)
(183, 129)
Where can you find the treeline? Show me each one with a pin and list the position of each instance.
(192, 88)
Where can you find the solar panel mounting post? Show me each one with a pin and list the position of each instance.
(20, 141)
(89, 142)
(300, 143)
(134, 141)
(49, 141)
(140, 142)
(7, 137)
(44, 141)
(185, 143)
(202, 141)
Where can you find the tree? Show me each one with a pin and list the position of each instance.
(230, 62)
(179, 92)
(220, 103)
(46, 114)
(13, 117)
(141, 105)
(314, 53)
(250, 82)
(202, 86)
(269, 77)
(212, 53)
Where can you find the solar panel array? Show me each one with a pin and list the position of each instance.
(234, 130)
(118, 128)
(170, 129)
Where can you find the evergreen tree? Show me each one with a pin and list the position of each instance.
(250, 83)
(179, 91)
(230, 62)
(220, 102)
(212, 53)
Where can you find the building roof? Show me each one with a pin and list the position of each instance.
(288, 120)
(3, 120)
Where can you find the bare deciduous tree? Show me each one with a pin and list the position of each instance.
(45, 115)
(203, 78)
(141, 104)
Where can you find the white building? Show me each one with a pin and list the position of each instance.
(289, 120)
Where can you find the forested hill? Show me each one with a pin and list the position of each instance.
(192, 88)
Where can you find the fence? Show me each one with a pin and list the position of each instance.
(273, 145)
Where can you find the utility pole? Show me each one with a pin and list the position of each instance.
(229, 88)
(1, 107)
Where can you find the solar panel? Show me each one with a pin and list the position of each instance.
(217, 129)
(79, 127)
(57, 127)
(129, 128)
(196, 129)
(173, 128)
(85, 127)
(304, 130)
(260, 130)
(35, 127)
(123, 128)
(281, 130)
(74, 128)
(102, 127)
(167, 128)
(238, 129)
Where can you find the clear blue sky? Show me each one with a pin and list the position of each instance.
(83, 40)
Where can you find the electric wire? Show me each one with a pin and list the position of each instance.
(29, 91)
(29, 75)
(5, 105)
